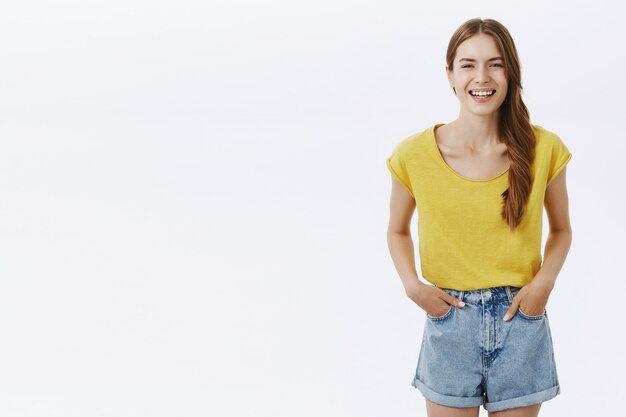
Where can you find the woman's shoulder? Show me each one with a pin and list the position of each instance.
(550, 147)
(413, 142)
(545, 137)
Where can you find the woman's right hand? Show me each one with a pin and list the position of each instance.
(432, 300)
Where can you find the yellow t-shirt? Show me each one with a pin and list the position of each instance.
(464, 243)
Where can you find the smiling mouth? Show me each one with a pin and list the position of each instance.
(482, 93)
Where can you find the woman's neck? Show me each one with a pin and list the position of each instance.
(476, 134)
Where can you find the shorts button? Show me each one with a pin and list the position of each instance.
(488, 294)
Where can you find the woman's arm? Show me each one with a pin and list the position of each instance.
(535, 294)
(399, 239)
(560, 237)
(431, 299)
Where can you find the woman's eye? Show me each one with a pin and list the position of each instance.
(468, 65)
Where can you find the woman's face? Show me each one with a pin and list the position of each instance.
(475, 69)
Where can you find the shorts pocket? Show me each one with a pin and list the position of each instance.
(528, 317)
(450, 307)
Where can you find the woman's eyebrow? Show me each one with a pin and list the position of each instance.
(473, 60)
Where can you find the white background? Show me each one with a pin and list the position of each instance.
(194, 201)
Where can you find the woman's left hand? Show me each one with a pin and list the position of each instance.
(531, 298)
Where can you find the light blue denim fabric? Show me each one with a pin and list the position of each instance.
(470, 356)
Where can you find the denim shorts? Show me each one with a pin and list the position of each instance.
(470, 356)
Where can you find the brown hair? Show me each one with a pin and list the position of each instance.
(514, 127)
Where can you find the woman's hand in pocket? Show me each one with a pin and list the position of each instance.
(432, 300)
(531, 299)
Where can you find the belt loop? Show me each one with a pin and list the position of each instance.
(461, 295)
(508, 294)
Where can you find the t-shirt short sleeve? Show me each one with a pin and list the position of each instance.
(397, 166)
(559, 158)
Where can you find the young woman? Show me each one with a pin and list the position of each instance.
(479, 185)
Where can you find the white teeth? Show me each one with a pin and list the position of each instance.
(482, 93)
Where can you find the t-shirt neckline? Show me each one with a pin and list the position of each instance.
(445, 164)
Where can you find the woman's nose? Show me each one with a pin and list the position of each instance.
(482, 74)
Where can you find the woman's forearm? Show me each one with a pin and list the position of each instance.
(557, 247)
(403, 254)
